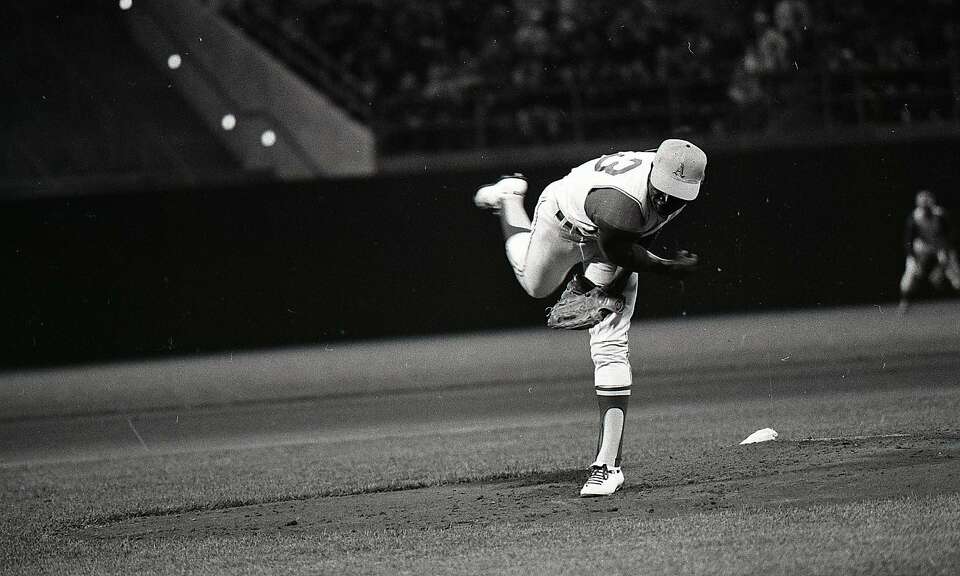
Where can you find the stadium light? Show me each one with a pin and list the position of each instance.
(268, 138)
(126, 4)
(174, 61)
(228, 122)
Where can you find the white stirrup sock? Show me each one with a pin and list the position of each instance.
(610, 438)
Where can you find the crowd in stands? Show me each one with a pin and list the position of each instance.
(844, 42)
(446, 60)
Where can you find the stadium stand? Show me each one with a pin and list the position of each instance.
(90, 110)
(447, 75)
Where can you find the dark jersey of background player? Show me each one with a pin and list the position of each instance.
(929, 224)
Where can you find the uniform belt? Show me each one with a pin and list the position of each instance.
(572, 228)
(566, 224)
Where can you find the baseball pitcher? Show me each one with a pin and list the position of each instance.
(603, 215)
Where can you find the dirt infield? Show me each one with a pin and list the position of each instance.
(774, 474)
(476, 469)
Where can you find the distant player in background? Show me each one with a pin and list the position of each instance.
(604, 215)
(930, 250)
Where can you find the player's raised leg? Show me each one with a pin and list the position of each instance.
(538, 254)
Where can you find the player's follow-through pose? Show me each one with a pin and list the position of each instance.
(603, 215)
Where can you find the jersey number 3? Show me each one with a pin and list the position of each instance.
(614, 164)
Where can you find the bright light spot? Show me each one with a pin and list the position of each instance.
(174, 61)
(229, 121)
(268, 138)
(126, 4)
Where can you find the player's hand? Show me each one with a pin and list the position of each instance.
(684, 262)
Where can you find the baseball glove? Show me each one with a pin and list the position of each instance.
(581, 310)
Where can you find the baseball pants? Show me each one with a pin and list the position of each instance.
(935, 266)
(541, 260)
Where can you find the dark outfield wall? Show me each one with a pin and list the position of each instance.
(188, 271)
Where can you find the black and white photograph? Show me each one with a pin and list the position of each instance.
(491, 287)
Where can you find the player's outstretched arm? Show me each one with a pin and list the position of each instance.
(624, 251)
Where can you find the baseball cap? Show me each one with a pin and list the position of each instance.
(678, 169)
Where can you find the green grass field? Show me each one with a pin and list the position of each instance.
(493, 491)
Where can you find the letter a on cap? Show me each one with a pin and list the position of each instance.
(678, 169)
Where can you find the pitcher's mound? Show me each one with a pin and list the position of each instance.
(753, 476)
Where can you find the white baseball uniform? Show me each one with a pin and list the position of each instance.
(620, 200)
(563, 235)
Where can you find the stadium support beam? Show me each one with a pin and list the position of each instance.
(222, 72)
